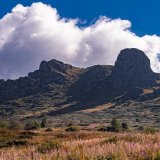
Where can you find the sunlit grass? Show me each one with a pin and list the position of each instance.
(86, 145)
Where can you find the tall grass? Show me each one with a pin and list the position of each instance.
(84, 145)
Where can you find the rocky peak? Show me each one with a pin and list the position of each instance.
(54, 65)
(52, 72)
(132, 69)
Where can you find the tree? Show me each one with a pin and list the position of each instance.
(44, 122)
(116, 125)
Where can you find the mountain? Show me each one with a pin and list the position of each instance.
(61, 90)
(132, 69)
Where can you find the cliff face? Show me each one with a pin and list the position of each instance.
(131, 70)
(49, 76)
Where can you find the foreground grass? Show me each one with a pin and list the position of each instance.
(81, 145)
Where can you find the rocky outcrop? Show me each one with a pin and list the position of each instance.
(132, 69)
(52, 72)
(49, 77)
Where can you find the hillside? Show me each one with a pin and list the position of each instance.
(128, 90)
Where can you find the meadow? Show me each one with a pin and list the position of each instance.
(58, 144)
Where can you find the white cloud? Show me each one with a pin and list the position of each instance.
(32, 34)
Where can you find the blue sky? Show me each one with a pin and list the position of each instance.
(37, 32)
(144, 14)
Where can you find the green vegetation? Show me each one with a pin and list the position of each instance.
(72, 129)
(150, 130)
(115, 124)
(44, 122)
(14, 125)
(49, 130)
(125, 126)
(31, 125)
(49, 146)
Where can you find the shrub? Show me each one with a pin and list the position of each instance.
(106, 158)
(116, 125)
(49, 130)
(102, 129)
(72, 129)
(138, 120)
(141, 128)
(70, 124)
(125, 126)
(4, 124)
(49, 146)
(150, 130)
(31, 125)
(44, 122)
(14, 125)
(17, 143)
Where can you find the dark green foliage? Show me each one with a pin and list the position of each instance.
(4, 124)
(71, 124)
(138, 120)
(116, 125)
(44, 122)
(31, 125)
(150, 130)
(141, 128)
(72, 129)
(125, 126)
(102, 129)
(17, 143)
(14, 125)
(49, 130)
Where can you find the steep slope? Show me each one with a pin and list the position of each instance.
(132, 69)
(92, 83)
(49, 77)
(63, 91)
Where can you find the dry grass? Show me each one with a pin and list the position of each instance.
(98, 108)
(86, 145)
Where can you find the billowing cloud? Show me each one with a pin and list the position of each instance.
(35, 33)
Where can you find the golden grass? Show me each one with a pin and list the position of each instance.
(98, 108)
(87, 145)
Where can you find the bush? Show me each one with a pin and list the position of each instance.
(4, 124)
(125, 126)
(116, 125)
(102, 129)
(72, 129)
(31, 125)
(106, 158)
(150, 130)
(49, 146)
(17, 143)
(141, 128)
(70, 124)
(49, 130)
(14, 125)
(44, 122)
